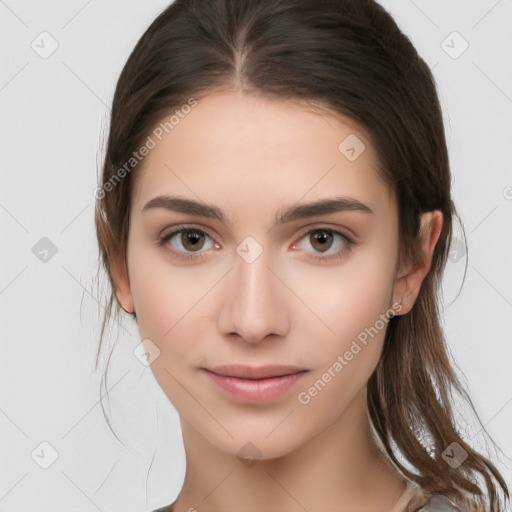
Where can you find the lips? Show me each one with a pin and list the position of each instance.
(249, 384)
(255, 372)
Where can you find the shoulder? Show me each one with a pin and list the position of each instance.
(168, 508)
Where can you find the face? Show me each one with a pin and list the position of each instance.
(255, 281)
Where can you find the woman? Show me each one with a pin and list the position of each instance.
(275, 213)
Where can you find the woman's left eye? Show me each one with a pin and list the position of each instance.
(192, 239)
(323, 239)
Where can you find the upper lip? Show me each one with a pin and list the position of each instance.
(255, 372)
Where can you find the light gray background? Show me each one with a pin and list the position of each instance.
(54, 115)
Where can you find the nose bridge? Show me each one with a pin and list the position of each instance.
(253, 308)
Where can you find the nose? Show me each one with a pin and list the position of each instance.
(255, 301)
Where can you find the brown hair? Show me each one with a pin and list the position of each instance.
(350, 57)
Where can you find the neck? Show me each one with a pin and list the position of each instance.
(340, 469)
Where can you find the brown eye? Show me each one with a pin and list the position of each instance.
(192, 240)
(325, 244)
(186, 242)
(321, 240)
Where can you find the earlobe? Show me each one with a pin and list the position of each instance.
(122, 288)
(410, 277)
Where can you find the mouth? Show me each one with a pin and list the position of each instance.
(255, 372)
(255, 384)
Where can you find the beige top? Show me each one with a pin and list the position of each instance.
(411, 492)
(415, 500)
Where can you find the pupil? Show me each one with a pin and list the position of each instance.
(321, 237)
(192, 239)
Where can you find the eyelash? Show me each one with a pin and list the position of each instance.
(165, 236)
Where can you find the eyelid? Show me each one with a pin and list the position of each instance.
(182, 227)
(347, 233)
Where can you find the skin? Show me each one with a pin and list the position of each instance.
(252, 157)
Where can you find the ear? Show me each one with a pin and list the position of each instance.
(122, 285)
(411, 274)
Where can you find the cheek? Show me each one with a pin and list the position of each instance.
(156, 292)
(355, 308)
(169, 299)
(348, 299)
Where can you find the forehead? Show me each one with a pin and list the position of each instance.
(259, 149)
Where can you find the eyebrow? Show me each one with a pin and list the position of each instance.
(301, 211)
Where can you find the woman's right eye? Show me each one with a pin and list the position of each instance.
(189, 239)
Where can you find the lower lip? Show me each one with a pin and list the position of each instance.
(255, 391)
